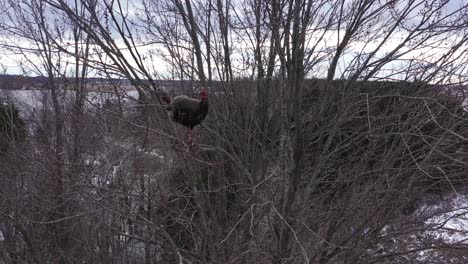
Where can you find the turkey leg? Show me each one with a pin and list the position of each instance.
(190, 137)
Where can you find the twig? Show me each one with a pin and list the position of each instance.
(304, 253)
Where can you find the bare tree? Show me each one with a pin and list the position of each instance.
(288, 168)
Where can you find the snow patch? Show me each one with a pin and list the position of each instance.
(450, 224)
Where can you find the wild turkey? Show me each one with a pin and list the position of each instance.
(187, 111)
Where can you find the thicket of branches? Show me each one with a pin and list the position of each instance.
(287, 168)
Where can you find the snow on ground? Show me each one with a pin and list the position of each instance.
(26, 100)
(436, 233)
(450, 221)
(29, 100)
(445, 227)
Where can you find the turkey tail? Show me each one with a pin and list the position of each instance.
(167, 100)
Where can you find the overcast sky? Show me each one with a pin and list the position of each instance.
(13, 63)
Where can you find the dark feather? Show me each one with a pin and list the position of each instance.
(189, 111)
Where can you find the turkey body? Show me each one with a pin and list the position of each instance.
(189, 111)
